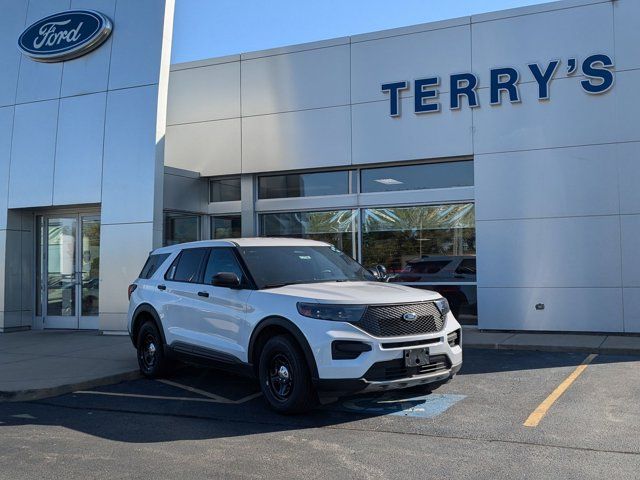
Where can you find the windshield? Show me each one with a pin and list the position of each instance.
(279, 266)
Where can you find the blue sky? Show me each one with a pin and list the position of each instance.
(213, 28)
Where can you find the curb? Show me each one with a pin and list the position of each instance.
(554, 348)
(40, 393)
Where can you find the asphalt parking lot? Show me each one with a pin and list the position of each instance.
(201, 422)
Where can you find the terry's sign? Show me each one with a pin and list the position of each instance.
(504, 82)
(65, 35)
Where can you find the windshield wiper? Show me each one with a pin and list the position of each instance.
(276, 285)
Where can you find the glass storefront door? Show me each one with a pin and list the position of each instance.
(69, 265)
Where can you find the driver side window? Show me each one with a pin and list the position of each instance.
(223, 260)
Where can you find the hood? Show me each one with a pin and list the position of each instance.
(361, 293)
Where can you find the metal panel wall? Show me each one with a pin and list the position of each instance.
(84, 131)
(556, 191)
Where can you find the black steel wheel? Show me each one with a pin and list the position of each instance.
(284, 376)
(151, 358)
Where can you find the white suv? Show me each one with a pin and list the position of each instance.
(299, 315)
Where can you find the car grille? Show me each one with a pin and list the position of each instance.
(396, 369)
(387, 321)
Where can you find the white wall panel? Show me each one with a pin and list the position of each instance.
(210, 148)
(89, 73)
(78, 163)
(136, 48)
(378, 137)
(407, 57)
(13, 272)
(12, 22)
(549, 252)
(630, 250)
(626, 14)
(120, 266)
(34, 144)
(628, 155)
(6, 130)
(627, 98)
(37, 80)
(570, 118)
(204, 93)
(306, 139)
(129, 162)
(547, 183)
(631, 310)
(542, 37)
(296, 81)
(566, 309)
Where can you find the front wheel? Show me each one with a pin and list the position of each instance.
(284, 376)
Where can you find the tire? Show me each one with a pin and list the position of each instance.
(151, 357)
(284, 376)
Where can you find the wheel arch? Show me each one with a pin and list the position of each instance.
(143, 313)
(275, 325)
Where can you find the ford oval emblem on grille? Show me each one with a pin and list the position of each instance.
(410, 317)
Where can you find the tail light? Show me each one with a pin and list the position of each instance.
(131, 289)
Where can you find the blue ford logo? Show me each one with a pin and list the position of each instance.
(65, 35)
(410, 317)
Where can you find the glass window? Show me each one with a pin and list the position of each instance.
(222, 260)
(417, 177)
(304, 265)
(186, 267)
(336, 227)
(303, 185)
(152, 265)
(90, 244)
(224, 190)
(181, 228)
(226, 226)
(431, 247)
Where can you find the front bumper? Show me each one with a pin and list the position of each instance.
(338, 386)
(382, 366)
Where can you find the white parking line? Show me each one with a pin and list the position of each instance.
(153, 397)
(196, 390)
(210, 397)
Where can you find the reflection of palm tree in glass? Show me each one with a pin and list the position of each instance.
(392, 236)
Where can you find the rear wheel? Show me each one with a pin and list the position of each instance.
(151, 358)
(284, 376)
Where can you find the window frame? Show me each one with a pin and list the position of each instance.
(176, 261)
(246, 283)
(220, 179)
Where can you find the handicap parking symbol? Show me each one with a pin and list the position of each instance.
(390, 403)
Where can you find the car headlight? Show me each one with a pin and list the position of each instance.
(336, 313)
(443, 306)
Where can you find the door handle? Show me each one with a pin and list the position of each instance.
(162, 287)
(203, 294)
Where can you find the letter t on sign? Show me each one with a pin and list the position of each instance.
(394, 96)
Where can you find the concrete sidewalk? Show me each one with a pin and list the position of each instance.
(558, 342)
(39, 364)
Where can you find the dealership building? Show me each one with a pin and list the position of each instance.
(493, 158)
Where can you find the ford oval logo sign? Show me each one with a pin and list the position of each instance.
(410, 317)
(65, 35)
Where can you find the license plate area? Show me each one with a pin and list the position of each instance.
(416, 357)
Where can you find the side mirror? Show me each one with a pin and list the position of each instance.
(226, 279)
(382, 271)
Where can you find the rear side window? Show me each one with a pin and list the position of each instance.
(152, 265)
(186, 268)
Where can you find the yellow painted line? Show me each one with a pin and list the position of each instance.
(539, 413)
